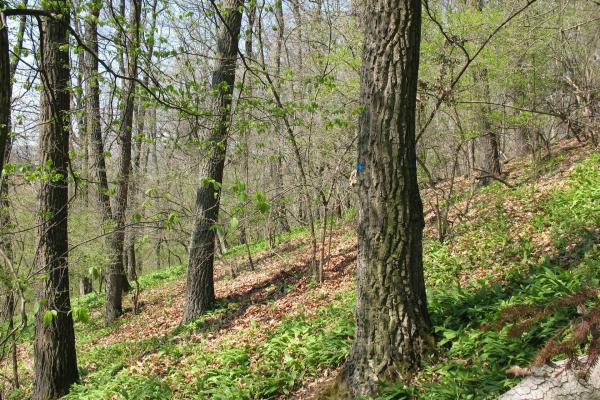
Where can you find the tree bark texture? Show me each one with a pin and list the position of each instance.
(54, 348)
(393, 329)
(200, 292)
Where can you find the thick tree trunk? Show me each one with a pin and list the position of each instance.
(54, 349)
(393, 329)
(200, 293)
(116, 279)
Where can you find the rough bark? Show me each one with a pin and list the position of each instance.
(116, 279)
(200, 292)
(393, 330)
(556, 383)
(55, 362)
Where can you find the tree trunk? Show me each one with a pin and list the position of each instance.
(200, 293)
(5, 89)
(489, 165)
(92, 108)
(281, 222)
(134, 266)
(7, 313)
(78, 102)
(93, 127)
(522, 141)
(85, 285)
(54, 349)
(116, 279)
(132, 269)
(393, 330)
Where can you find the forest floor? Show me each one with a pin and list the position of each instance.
(276, 334)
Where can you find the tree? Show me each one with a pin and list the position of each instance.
(488, 141)
(92, 109)
(5, 89)
(200, 292)
(279, 211)
(393, 330)
(7, 73)
(116, 279)
(54, 349)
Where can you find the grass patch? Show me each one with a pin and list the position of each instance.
(295, 350)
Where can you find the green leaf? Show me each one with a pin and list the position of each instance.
(49, 317)
(263, 207)
(234, 223)
(80, 314)
(260, 197)
(94, 272)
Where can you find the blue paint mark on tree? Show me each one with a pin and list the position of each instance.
(359, 167)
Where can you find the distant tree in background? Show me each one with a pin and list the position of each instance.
(200, 281)
(116, 279)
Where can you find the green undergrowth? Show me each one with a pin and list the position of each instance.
(491, 261)
(295, 350)
(263, 244)
(147, 281)
(472, 358)
(295, 233)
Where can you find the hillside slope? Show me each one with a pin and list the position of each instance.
(275, 334)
